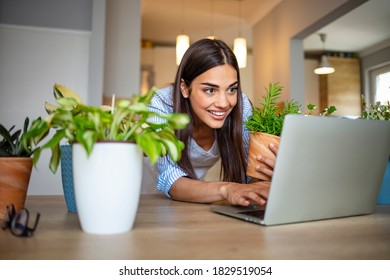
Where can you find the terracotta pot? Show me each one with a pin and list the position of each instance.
(14, 179)
(259, 145)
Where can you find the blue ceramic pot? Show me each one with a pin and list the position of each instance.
(384, 194)
(67, 177)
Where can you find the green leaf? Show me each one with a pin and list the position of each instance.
(55, 158)
(67, 103)
(150, 145)
(311, 107)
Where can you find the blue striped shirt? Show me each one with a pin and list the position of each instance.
(169, 171)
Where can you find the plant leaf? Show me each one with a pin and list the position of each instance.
(61, 91)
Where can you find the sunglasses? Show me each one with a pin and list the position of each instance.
(17, 222)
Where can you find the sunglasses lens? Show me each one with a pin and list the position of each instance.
(19, 222)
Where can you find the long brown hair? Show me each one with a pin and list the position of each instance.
(200, 57)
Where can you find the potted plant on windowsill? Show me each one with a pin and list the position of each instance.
(266, 123)
(107, 155)
(15, 166)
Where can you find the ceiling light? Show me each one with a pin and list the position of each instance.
(182, 44)
(324, 67)
(239, 47)
(240, 51)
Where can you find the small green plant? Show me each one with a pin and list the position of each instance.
(326, 112)
(11, 143)
(377, 111)
(128, 121)
(269, 118)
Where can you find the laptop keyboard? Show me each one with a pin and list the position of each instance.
(254, 213)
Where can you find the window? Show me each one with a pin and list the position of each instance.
(380, 84)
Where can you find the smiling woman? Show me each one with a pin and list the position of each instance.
(207, 88)
(212, 95)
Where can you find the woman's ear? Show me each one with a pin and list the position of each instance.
(184, 89)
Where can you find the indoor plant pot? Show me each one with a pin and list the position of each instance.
(14, 180)
(67, 177)
(109, 195)
(94, 129)
(265, 125)
(384, 194)
(15, 167)
(259, 145)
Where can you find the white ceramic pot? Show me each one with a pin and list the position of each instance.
(107, 186)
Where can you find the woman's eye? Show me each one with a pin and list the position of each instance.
(232, 90)
(209, 90)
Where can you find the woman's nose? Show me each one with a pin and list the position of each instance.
(221, 100)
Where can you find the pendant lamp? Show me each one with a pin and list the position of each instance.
(240, 51)
(182, 44)
(324, 67)
(239, 48)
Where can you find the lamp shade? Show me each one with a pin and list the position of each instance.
(182, 44)
(240, 51)
(324, 67)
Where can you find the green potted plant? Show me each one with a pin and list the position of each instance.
(377, 111)
(15, 166)
(60, 91)
(380, 112)
(266, 123)
(108, 147)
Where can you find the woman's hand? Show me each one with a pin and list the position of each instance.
(245, 194)
(268, 169)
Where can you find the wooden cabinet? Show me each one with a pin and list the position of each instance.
(342, 88)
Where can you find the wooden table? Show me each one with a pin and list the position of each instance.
(166, 229)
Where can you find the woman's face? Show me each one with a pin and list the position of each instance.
(212, 95)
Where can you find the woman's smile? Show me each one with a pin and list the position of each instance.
(213, 95)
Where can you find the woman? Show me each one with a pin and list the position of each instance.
(207, 88)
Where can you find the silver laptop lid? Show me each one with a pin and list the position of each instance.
(327, 167)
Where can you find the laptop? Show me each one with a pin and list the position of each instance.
(327, 167)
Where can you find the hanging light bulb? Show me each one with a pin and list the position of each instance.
(239, 47)
(324, 67)
(240, 51)
(182, 44)
(182, 40)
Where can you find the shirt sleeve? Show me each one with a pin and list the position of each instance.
(246, 112)
(168, 170)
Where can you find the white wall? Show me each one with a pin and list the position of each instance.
(32, 60)
(312, 84)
